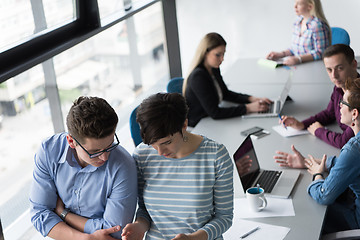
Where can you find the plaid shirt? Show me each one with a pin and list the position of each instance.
(314, 39)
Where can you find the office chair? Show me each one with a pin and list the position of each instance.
(348, 234)
(175, 85)
(135, 128)
(339, 35)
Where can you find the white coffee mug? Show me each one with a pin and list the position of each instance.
(256, 199)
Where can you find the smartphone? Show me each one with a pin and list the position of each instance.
(260, 134)
(251, 131)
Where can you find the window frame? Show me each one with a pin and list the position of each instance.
(50, 42)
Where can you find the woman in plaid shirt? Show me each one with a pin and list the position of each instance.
(311, 34)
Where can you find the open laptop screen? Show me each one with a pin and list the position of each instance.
(1, 232)
(247, 149)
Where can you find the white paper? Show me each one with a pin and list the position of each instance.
(289, 131)
(266, 231)
(276, 207)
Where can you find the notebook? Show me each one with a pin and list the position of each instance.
(277, 104)
(271, 63)
(276, 183)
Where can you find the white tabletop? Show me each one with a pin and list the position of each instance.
(310, 93)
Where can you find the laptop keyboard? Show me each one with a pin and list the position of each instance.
(268, 179)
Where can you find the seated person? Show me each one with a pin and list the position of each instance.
(311, 34)
(204, 88)
(85, 184)
(340, 64)
(185, 180)
(343, 171)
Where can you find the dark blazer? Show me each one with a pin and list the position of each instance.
(203, 100)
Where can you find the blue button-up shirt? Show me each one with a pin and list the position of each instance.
(344, 172)
(106, 194)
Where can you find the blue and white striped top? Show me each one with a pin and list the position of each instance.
(186, 194)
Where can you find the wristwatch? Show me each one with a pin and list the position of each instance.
(64, 213)
(317, 174)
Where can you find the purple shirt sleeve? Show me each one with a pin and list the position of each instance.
(328, 116)
(335, 139)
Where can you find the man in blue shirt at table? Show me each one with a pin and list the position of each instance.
(85, 184)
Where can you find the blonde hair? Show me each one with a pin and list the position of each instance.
(318, 12)
(208, 42)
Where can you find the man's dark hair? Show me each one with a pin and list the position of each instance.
(91, 117)
(161, 115)
(340, 48)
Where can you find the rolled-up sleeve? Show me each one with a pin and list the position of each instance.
(343, 171)
(43, 195)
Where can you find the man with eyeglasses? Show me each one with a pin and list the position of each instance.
(84, 183)
(340, 64)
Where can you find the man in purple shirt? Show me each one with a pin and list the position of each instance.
(340, 64)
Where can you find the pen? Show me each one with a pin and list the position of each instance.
(283, 123)
(250, 232)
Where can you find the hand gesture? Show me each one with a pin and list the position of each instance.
(291, 122)
(315, 165)
(104, 234)
(133, 231)
(295, 160)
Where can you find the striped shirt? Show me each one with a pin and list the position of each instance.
(186, 194)
(313, 40)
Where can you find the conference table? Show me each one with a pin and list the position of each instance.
(310, 93)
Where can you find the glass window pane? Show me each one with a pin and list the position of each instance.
(17, 20)
(108, 7)
(25, 121)
(59, 12)
(14, 14)
(108, 66)
(123, 64)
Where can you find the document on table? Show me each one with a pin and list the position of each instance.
(266, 231)
(276, 207)
(289, 131)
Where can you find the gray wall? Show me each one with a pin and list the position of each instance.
(252, 28)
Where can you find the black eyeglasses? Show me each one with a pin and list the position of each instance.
(342, 102)
(109, 149)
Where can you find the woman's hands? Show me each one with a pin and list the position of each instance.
(257, 104)
(275, 55)
(135, 230)
(315, 165)
(295, 160)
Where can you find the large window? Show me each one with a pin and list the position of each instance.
(17, 22)
(122, 63)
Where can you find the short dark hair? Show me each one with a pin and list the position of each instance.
(161, 115)
(353, 86)
(340, 48)
(91, 117)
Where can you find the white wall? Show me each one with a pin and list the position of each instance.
(252, 28)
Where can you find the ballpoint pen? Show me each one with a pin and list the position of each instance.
(250, 232)
(283, 123)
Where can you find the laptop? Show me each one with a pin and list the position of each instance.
(276, 183)
(1, 232)
(276, 106)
